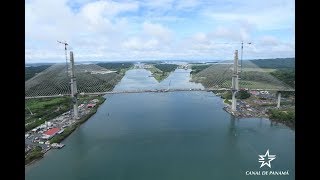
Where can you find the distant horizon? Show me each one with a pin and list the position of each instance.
(106, 61)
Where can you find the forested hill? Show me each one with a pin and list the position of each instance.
(277, 63)
(34, 70)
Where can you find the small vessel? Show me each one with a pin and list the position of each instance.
(57, 145)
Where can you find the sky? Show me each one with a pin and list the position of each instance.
(126, 30)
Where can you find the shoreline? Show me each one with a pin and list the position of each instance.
(237, 114)
(76, 126)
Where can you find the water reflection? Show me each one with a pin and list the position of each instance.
(232, 128)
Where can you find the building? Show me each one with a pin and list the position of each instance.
(35, 129)
(50, 133)
(27, 148)
(95, 100)
(255, 93)
(61, 131)
(264, 92)
(91, 105)
(26, 135)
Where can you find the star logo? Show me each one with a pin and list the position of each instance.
(266, 159)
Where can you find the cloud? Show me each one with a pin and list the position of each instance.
(269, 40)
(99, 9)
(231, 34)
(264, 15)
(157, 30)
(187, 4)
(163, 29)
(136, 43)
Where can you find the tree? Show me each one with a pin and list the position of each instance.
(242, 94)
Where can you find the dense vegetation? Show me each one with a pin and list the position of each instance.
(166, 67)
(44, 109)
(116, 66)
(33, 70)
(227, 95)
(277, 63)
(241, 94)
(286, 116)
(197, 68)
(227, 101)
(152, 62)
(259, 76)
(34, 154)
(285, 75)
(220, 75)
(162, 71)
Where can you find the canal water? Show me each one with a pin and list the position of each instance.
(167, 136)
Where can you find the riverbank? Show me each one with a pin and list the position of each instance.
(283, 115)
(37, 153)
(158, 74)
(245, 110)
(59, 138)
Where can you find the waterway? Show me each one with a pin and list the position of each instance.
(167, 136)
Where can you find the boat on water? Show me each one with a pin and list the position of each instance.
(57, 145)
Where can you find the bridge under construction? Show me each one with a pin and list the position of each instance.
(80, 80)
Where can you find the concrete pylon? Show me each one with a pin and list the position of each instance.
(279, 99)
(234, 101)
(74, 88)
(235, 81)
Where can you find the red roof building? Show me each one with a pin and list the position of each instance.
(90, 105)
(52, 132)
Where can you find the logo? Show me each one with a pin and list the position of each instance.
(266, 159)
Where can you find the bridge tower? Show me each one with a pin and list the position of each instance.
(235, 81)
(74, 90)
(279, 99)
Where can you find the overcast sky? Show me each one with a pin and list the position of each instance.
(109, 30)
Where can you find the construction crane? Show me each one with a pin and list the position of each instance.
(29, 110)
(65, 48)
(241, 50)
(242, 54)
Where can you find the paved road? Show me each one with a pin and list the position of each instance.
(154, 91)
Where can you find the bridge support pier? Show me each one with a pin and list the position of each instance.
(234, 101)
(279, 99)
(74, 90)
(235, 82)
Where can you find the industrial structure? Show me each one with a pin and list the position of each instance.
(73, 84)
(235, 81)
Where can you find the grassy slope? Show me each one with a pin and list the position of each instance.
(162, 71)
(54, 81)
(120, 67)
(253, 76)
(34, 154)
(44, 108)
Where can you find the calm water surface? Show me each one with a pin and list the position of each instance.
(167, 136)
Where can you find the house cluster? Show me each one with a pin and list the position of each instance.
(263, 94)
(91, 104)
(41, 135)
